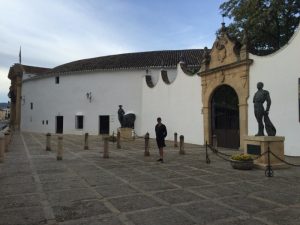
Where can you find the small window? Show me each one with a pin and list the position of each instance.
(47, 122)
(43, 122)
(57, 80)
(31, 105)
(79, 122)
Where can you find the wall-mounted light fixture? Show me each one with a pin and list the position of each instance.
(89, 96)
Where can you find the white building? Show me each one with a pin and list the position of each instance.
(83, 96)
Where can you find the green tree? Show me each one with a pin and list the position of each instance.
(268, 24)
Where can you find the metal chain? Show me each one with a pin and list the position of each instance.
(288, 163)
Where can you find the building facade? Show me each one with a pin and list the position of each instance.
(203, 94)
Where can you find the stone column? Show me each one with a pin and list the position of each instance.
(206, 124)
(48, 142)
(243, 108)
(105, 151)
(118, 140)
(175, 140)
(181, 147)
(2, 148)
(86, 141)
(147, 137)
(60, 148)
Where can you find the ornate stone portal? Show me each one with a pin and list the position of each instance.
(228, 64)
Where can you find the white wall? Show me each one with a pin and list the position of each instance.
(279, 72)
(68, 98)
(178, 104)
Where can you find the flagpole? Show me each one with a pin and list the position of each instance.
(20, 56)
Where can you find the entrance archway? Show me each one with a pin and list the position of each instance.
(225, 117)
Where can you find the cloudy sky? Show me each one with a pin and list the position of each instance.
(53, 32)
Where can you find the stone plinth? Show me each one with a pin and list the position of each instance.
(256, 145)
(126, 134)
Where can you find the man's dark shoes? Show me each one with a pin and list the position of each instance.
(160, 160)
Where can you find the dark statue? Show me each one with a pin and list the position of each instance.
(121, 114)
(126, 120)
(260, 113)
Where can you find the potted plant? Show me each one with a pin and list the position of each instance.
(242, 161)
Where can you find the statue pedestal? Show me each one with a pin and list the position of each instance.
(256, 145)
(126, 134)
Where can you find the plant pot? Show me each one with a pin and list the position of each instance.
(242, 164)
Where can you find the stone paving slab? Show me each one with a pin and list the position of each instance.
(94, 221)
(79, 209)
(206, 212)
(160, 216)
(130, 189)
(178, 196)
(23, 216)
(134, 202)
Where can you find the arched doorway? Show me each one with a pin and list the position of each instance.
(225, 117)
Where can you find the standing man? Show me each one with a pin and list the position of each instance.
(161, 133)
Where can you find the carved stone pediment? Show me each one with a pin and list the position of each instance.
(225, 51)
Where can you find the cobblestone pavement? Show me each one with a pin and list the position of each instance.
(131, 189)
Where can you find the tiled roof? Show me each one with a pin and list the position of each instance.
(159, 59)
(35, 69)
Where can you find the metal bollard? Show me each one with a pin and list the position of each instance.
(86, 141)
(118, 140)
(175, 140)
(60, 149)
(48, 142)
(181, 149)
(105, 151)
(6, 140)
(2, 148)
(147, 137)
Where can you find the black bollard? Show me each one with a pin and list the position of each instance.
(181, 147)
(118, 140)
(105, 150)
(175, 140)
(86, 141)
(60, 149)
(48, 142)
(147, 137)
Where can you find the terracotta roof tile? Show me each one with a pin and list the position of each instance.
(167, 58)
